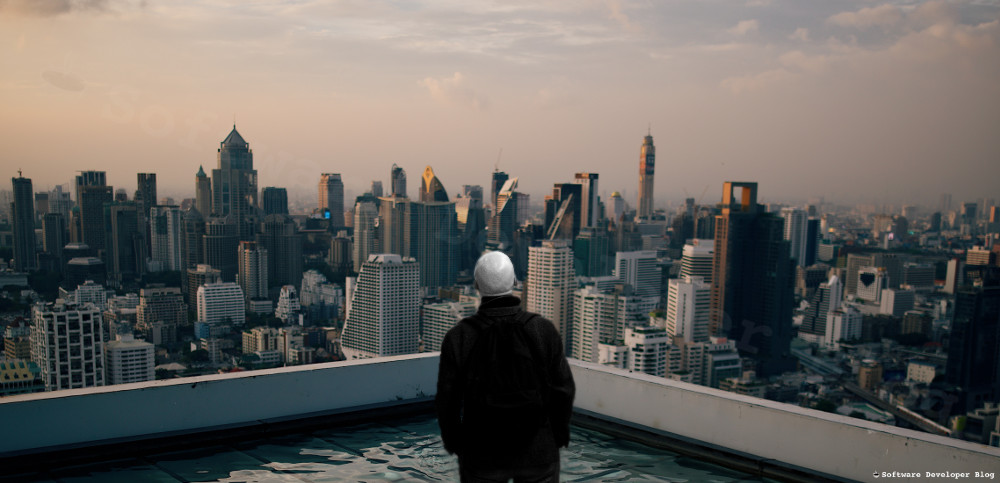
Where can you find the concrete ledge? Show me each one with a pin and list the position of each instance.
(828, 445)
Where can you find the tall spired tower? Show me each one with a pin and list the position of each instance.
(234, 184)
(647, 162)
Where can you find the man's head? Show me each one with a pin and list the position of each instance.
(494, 275)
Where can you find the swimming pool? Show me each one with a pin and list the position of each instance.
(398, 450)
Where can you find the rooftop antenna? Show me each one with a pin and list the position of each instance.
(19, 173)
(496, 166)
(649, 129)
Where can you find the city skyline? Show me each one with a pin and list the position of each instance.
(883, 103)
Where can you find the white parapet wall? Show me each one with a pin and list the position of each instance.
(134, 411)
(826, 443)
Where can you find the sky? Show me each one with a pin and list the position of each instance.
(851, 101)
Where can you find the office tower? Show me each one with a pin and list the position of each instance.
(125, 242)
(752, 293)
(341, 254)
(320, 299)
(60, 202)
(919, 276)
(220, 243)
(505, 221)
(397, 177)
(617, 207)
(588, 198)
(274, 201)
(551, 284)
(471, 217)
(434, 243)
(590, 250)
(145, 194)
(973, 363)
(602, 311)
(826, 299)
(871, 282)
(23, 214)
(283, 243)
(697, 258)
(842, 325)
(955, 276)
(980, 256)
(641, 270)
(689, 308)
(366, 229)
(81, 269)
(896, 301)
(376, 189)
(855, 262)
(795, 232)
(234, 185)
(648, 348)
(431, 188)
(497, 182)
(647, 164)
(221, 303)
(203, 192)
(813, 237)
(196, 277)
(92, 201)
(129, 360)
(563, 209)
(88, 178)
(384, 315)
(436, 319)
(252, 273)
(165, 227)
(945, 204)
(192, 239)
(54, 235)
(288, 305)
(331, 198)
(160, 312)
(66, 344)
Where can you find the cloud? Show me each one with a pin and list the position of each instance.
(800, 34)
(880, 16)
(454, 90)
(619, 15)
(755, 82)
(50, 8)
(744, 27)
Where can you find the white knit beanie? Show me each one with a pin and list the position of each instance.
(494, 274)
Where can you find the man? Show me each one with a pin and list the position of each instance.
(505, 391)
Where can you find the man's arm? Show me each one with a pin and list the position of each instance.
(448, 400)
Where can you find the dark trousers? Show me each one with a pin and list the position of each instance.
(549, 474)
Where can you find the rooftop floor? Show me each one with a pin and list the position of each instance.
(400, 449)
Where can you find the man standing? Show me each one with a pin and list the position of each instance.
(505, 391)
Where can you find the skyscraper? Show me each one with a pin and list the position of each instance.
(795, 233)
(165, 237)
(384, 315)
(274, 201)
(826, 300)
(397, 178)
(192, 245)
(590, 248)
(220, 243)
(689, 308)
(281, 238)
(23, 213)
(498, 181)
(234, 184)
(252, 275)
(88, 178)
(426, 231)
(754, 281)
(551, 284)
(68, 361)
(91, 201)
(564, 211)
(221, 303)
(203, 192)
(601, 314)
(973, 364)
(331, 198)
(697, 259)
(647, 165)
(641, 270)
(54, 234)
(366, 229)
(145, 194)
(125, 240)
(431, 188)
(588, 198)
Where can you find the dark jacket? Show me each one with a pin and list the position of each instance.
(493, 451)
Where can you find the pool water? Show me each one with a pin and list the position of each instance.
(398, 450)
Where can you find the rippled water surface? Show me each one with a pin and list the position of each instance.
(397, 450)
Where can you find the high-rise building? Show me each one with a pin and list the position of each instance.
(220, 244)
(871, 282)
(197, 276)
(192, 239)
(826, 299)
(813, 237)
(641, 270)
(234, 185)
(288, 305)
(689, 307)
(331, 198)
(471, 217)
(438, 318)
(397, 178)
(252, 273)
(796, 228)
(697, 258)
(92, 201)
(88, 178)
(617, 207)
(129, 360)
(647, 165)
(588, 198)
(551, 284)
(973, 364)
(145, 194)
(648, 349)
(54, 234)
(752, 294)
(896, 301)
(165, 227)
(384, 315)
(376, 189)
(203, 192)
(160, 312)
(23, 214)
(426, 231)
(431, 188)
(504, 221)
(281, 238)
(366, 229)
(274, 201)
(590, 249)
(842, 325)
(602, 312)
(497, 182)
(563, 211)
(66, 344)
(221, 303)
(125, 242)
(855, 262)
